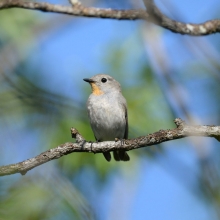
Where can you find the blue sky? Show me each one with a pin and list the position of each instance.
(76, 51)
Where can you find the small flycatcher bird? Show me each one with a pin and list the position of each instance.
(107, 110)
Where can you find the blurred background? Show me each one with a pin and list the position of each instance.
(43, 59)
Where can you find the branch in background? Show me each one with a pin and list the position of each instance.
(158, 18)
(153, 14)
(81, 145)
(76, 9)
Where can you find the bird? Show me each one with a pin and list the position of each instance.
(107, 111)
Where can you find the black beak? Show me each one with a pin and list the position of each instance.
(88, 80)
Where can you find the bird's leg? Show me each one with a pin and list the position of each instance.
(120, 139)
(91, 142)
(97, 141)
(120, 154)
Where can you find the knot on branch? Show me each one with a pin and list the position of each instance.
(74, 132)
(75, 3)
(76, 135)
(179, 123)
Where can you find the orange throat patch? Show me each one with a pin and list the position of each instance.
(95, 89)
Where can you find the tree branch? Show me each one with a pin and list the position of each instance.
(81, 145)
(158, 18)
(75, 9)
(153, 14)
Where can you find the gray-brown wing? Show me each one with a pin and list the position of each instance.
(126, 127)
(123, 154)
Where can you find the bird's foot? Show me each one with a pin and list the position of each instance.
(120, 139)
(91, 142)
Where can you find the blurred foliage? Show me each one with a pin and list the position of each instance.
(14, 22)
(41, 197)
(24, 102)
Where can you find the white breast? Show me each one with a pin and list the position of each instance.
(107, 117)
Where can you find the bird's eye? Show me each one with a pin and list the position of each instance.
(104, 80)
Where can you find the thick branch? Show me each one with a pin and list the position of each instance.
(81, 145)
(153, 14)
